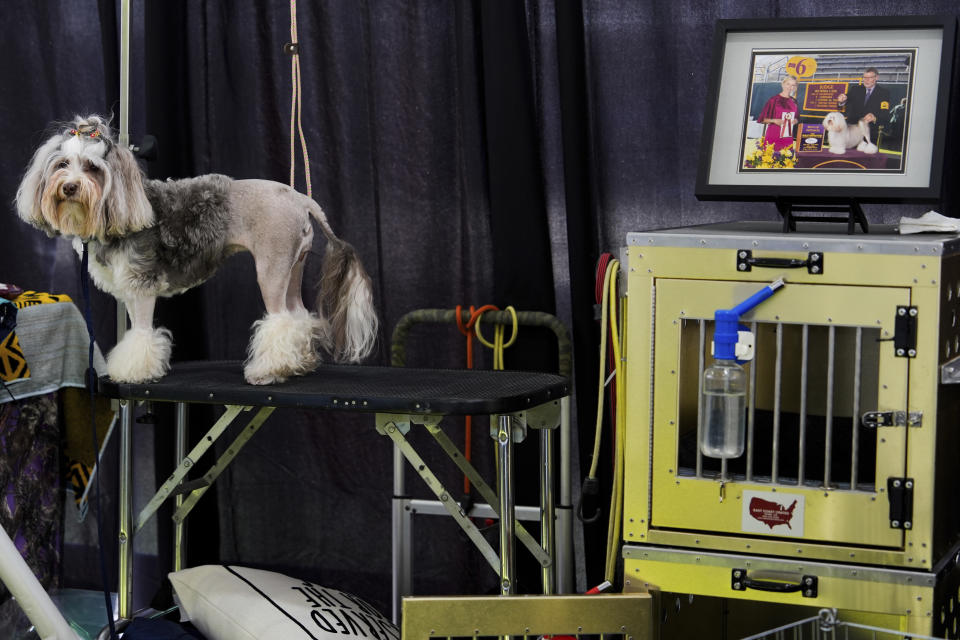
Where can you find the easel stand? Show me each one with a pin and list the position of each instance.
(788, 208)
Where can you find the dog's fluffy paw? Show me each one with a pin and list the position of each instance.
(867, 147)
(142, 355)
(838, 150)
(283, 345)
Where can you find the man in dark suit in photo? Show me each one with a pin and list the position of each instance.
(868, 102)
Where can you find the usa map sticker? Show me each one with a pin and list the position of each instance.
(773, 513)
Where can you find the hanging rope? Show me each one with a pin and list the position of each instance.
(466, 328)
(296, 107)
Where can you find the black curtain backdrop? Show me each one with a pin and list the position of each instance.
(473, 152)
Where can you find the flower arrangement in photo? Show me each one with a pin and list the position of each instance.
(769, 158)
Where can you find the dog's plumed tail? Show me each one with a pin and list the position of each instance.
(346, 298)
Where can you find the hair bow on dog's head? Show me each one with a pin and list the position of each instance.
(86, 130)
(89, 132)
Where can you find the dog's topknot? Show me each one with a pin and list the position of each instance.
(90, 129)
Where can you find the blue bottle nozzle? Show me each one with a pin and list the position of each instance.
(726, 321)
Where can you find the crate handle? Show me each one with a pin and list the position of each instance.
(746, 261)
(740, 581)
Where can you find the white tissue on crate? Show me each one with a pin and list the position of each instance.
(931, 221)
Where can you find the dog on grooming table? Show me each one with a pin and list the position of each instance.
(150, 238)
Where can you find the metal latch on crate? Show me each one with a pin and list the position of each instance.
(900, 493)
(746, 261)
(740, 581)
(905, 332)
(874, 419)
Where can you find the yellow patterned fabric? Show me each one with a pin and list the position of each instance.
(31, 298)
(13, 366)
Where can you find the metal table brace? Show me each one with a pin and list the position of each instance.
(505, 429)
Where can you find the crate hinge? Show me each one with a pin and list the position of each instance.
(905, 332)
(900, 493)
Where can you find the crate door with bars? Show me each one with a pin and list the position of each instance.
(810, 470)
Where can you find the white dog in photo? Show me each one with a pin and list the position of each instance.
(152, 238)
(842, 137)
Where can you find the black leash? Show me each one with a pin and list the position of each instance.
(91, 386)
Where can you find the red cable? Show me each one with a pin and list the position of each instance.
(467, 330)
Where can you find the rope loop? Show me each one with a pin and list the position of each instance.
(498, 344)
(467, 329)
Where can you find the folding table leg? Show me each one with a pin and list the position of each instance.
(401, 578)
(199, 487)
(542, 554)
(168, 487)
(125, 516)
(180, 445)
(393, 431)
(547, 528)
(505, 489)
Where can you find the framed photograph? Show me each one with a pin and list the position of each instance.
(827, 109)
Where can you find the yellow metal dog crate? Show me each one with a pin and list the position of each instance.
(846, 495)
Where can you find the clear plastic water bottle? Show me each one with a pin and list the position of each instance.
(723, 407)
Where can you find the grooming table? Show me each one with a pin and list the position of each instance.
(399, 397)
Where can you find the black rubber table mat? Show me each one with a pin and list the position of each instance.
(353, 388)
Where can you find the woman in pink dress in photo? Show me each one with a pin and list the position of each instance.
(780, 116)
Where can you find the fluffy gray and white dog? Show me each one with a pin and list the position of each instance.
(841, 137)
(150, 238)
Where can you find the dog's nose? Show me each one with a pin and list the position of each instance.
(70, 189)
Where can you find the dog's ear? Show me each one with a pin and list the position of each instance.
(126, 208)
(30, 191)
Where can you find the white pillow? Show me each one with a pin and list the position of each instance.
(236, 603)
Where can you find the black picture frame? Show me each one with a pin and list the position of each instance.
(721, 174)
